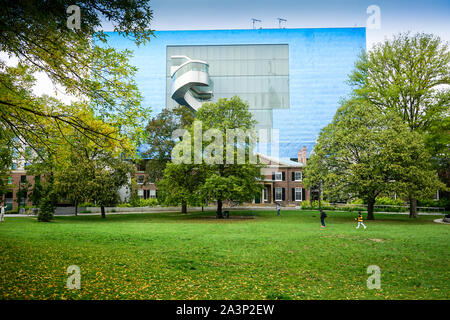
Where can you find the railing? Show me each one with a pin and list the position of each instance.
(419, 209)
(191, 66)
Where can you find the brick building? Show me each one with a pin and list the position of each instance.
(283, 183)
(283, 180)
(19, 180)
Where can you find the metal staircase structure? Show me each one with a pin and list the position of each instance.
(191, 84)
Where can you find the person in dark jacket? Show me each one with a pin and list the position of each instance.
(323, 215)
(278, 208)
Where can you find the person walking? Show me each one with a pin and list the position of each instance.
(323, 215)
(2, 212)
(278, 208)
(360, 221)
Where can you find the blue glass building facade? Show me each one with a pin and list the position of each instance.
(320, 61)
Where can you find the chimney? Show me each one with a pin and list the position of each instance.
(299, 156)
(304, 155)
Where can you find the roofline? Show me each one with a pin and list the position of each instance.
(251, 29)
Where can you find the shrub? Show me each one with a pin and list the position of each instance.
(124, 205)
(444, 203)
(150, 202)
(46, 210)
(87, 204)
(389, 201)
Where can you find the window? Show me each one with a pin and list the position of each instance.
(9, 180)
(23, 179)
(14, 166)
(152, 193)
(278, 194)
(265, 194)
(278, 176)
(298, 194)
(297, 176)
(140, 179)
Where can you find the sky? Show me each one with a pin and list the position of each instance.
(395, 16)
(431, 16)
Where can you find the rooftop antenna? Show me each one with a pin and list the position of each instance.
(280, 20)
(255, 20)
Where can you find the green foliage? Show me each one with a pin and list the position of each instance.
(198, 182)
(87, 204)
(365, 153)
(443, 203)
(410, 77)
(6, 159)
(23, 192)
(36, 193)
(107, 110)
(389, 201)
(159, 132)
(180, 184)
(134, 197)
(233, 182)
(150, 202)
(91, 174)
(46, 209)
(405, 75)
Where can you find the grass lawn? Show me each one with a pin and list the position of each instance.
(175, 256)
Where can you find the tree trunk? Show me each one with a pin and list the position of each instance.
(370, 205)
(184, 207)
(413, 207)
(219, 209)
(103, 212)
(76, 208)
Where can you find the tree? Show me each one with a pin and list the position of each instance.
(23, 192)
(107, 110)
(71, 180)
(48, 201)
(106, 176)
(6, 159)
(37, 192)
(159, 132)
(364, 153)
(228, 181)
(180, 185)
(408, 75)
(46, 209)
(95, 175)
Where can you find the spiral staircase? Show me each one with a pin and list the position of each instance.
(191, 84)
